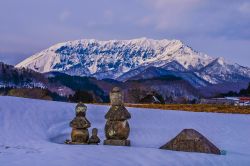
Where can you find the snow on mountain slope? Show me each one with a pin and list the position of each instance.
(150, 72)
(32, 132)
(171, 66)
(114, 57)
(220, 71)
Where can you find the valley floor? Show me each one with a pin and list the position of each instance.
(32, 133)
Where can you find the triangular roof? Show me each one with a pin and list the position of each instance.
(190, 140)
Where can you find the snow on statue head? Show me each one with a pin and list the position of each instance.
(81, 109)
(116, 97)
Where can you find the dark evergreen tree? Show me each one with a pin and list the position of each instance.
(243, 92)
(82, 96)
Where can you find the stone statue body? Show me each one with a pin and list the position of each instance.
(117, 128)
(80, 125)
(94, 139)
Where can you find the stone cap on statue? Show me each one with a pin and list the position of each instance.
(80, 109)
(116, 97)
(117, 113)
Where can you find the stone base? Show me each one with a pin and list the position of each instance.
(75, 143)
(117, 142)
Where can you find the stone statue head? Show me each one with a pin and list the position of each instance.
(116, 97)
(94, 132)
(81, 109)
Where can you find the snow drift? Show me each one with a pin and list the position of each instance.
(32, 133)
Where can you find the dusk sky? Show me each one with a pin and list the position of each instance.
(214, 27)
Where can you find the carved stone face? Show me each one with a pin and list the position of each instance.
(80, 108)
(116, 97)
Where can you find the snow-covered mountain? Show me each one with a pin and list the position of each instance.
(114, 58)
(150, 72)
(219, 70)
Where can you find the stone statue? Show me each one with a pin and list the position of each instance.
(94, 139)
(117, 127)
(80, 125)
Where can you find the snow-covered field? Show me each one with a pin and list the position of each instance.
(32, 133)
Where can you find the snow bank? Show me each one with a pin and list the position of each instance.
(32, 133)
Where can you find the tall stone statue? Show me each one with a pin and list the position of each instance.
(117, 127)
(80, 125)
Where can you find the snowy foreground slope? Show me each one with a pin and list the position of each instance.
(32, 133)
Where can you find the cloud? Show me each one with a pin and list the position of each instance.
(185, 18)
(145, 21)
(108, 13)
(174, 4)
(169, 14)
(192, 21)
(245, 8)
(64, 15)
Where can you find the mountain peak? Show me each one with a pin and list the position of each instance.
(220, 60)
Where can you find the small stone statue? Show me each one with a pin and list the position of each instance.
(94, 139)
(80, 125)
(117, 127)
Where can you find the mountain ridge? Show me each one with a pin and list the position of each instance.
(114, 58)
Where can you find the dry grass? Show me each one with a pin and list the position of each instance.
(196, 108)
(193, 107)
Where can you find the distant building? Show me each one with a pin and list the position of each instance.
(237, 101)
(243, 101)
(150, 99)
(222, 101)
